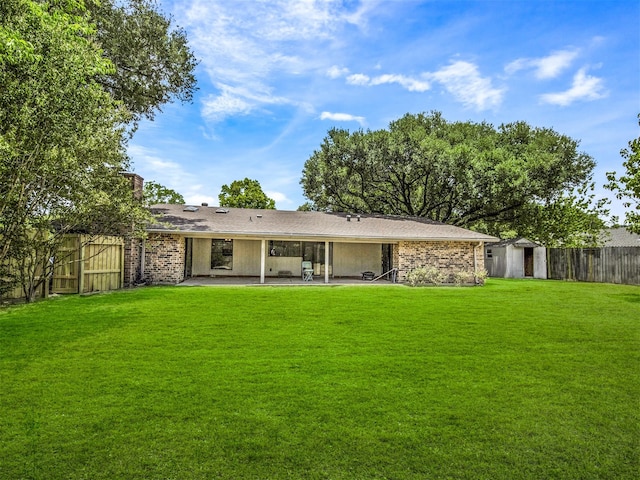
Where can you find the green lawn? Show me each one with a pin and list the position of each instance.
(518, 379)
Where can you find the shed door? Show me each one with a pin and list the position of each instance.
(528, 262)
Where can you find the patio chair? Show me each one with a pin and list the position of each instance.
(307, 272)
(368, 275)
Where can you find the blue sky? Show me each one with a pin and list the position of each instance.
(276, 75)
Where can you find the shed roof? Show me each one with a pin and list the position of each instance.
(619, 237)
(516, 242)
(284, 224)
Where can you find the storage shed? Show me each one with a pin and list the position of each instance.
(516, 258)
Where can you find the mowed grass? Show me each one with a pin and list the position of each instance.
(518, 379)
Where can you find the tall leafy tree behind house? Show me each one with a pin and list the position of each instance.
(62, 139)
(153, 64)
(245, 193)
(515, 179)
(155, 193)
(627, 185)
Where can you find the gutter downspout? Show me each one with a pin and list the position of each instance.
(142, 259)
(475, 261)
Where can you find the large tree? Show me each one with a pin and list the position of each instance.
(62, 140)
(155, 193)
(627, 186)
(152, 61)
(245, 193)
(515, 178)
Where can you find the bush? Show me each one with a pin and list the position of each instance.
(425, 275)
(462, 277)
(432, 275)
(481, 276)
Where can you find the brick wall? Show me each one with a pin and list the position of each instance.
(132, 273)
(164, 258)
(450, 257)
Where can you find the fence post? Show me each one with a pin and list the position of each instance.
(121, 263)
(81, 239)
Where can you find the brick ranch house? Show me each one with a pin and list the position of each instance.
(194, 241)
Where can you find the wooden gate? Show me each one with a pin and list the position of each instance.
(65, 274)
(87, 264)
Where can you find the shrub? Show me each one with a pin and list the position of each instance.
(425, 275)
(462, 277)
(481, 276)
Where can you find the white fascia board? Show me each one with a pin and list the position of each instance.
(318, 237)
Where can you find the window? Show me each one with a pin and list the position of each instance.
(221, 254)
(489, 253)
(313, 252)
(279, 248)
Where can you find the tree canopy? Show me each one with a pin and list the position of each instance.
(155, 193)
(152, 61)
(245, 193)
(62, 139)
(515, 179)
(627, 186)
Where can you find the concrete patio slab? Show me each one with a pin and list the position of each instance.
(276, 281)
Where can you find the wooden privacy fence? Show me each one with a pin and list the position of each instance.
(16, 292)
(84, 264)
(89, 265)
(605, 264)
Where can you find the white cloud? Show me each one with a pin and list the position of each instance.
(233, 101)
(584, 87)
(224, 105)
(342, 117)
(153, 167)
(337, 72)
(545, 67)
(307, 19)
(461, 79)
(358, 79)
(408, 83)
(279, 197)
(464, 82)
(251, 46)
(152, 163)
(194, 197)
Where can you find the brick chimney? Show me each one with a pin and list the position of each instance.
(137, 184)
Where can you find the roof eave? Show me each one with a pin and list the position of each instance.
(300, 236)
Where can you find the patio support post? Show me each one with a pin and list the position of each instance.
(327, 262)
(263, 248)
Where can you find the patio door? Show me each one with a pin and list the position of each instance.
(188, 257)
(387, 257)
(314, 252)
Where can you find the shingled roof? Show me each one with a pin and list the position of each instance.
(520, 242)
(283, 224)
(619, 237)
